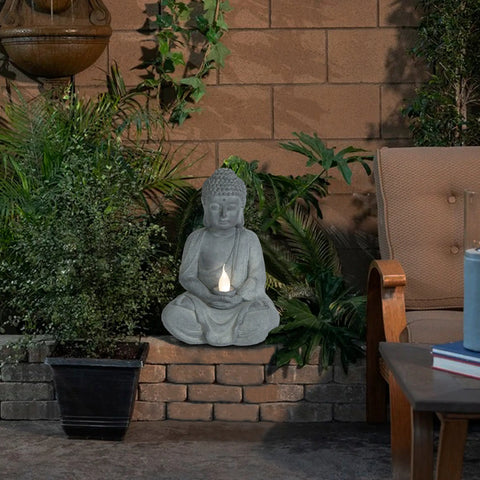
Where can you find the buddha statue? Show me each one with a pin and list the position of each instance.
(223, 273)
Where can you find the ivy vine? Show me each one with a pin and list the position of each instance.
(176, 82)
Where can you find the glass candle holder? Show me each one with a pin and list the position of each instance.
(471, 271)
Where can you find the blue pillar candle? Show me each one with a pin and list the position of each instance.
(471, 300)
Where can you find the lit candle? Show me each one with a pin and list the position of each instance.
(224, 281)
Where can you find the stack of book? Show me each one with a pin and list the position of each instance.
(454, 357)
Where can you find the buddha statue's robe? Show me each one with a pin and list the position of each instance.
(190, 319)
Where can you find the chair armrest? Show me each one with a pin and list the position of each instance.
(385, 321)
(386, 318)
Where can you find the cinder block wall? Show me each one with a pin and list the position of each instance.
(340, 68)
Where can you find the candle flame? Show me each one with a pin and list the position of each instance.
(224, 281)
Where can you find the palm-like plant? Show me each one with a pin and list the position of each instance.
(303, 268)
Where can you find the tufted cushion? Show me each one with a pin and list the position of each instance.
(420, 218)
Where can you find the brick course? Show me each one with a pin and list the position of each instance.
(240, 374)
(236, 412)
(214, 393)
(191, 373)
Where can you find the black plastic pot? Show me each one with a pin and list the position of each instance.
(96, 396)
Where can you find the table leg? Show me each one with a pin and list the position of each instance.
(453, 435)
(400, 431)
(422, 446)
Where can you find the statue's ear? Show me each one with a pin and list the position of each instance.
(241, 219)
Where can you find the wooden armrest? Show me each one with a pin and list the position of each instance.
(385, 321)
(386, 318)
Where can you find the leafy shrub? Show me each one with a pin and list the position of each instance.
(81, 257)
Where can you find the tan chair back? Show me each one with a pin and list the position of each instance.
(420, 218)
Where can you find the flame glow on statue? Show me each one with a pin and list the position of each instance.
(211, 311)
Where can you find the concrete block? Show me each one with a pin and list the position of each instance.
(149, 411)
(38, 352)
(125, 48)
(394, 98)
(26, 372)
(256, 53)
(153, 374)
(296, 412)
(240, 374)
(332, 111)
(324, 14)
(400, 14)
(309, 374)
(230, 113)
(191, 373)
(371, 55)
(132, 14)
(13, 355)
(190, 411)
(29, 410)
(214, 393)
(26, 391)
(248, 14)
(356, 373)
(335, 393)
(162, 392)
(273, 393)
(233, 412)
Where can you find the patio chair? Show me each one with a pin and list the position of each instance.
(415, 292)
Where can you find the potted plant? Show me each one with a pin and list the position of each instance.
(81, 260)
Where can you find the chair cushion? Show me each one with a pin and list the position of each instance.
(434, 326)
(420, 218)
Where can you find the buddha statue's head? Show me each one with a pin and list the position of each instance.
(223, 198)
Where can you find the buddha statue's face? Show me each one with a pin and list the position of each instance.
(223, 212)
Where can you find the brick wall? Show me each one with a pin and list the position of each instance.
(202, 383)
(26, 388)
(205, 383)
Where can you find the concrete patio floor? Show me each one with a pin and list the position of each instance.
(37, 450)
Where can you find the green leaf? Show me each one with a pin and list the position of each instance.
(210, 7)
(164, 21)
(198, 87)
(218, 53)
(177, 58)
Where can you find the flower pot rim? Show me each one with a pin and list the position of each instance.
(101, 362)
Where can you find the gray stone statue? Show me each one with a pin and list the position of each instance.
(223, 273)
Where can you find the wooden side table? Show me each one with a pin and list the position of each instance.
(454, 398)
